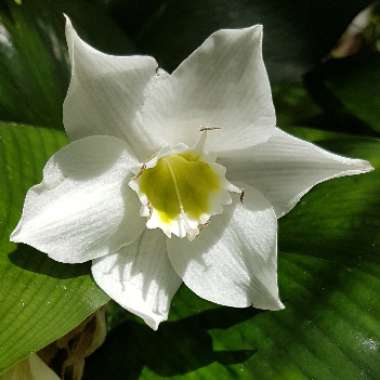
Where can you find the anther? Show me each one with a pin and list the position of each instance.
(204, 225)
(143, 167)
(206, 129)
(242, 194)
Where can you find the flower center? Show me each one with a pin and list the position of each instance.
(180, 191)
(180, 183)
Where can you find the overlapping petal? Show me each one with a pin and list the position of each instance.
(83, 208)
(140, 277)
(222, 84)
(233, 262)
(106, 93)
(285, 168)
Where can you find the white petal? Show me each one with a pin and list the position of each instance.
(106, 93)
(83, 208)
(223, 84)
(32, 368)
(140, 278)
(233, 261)
(285, 168)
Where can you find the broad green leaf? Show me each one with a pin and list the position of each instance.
(329, 271)
(295, 38)
(294, 106)
(350, 86)
(315, 135)
(34, 69)
(40, 299)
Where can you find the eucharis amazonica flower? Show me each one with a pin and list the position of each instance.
(174, 178)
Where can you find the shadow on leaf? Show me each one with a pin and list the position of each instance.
(30, 259)
(176, 348)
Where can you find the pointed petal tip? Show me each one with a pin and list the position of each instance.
(273, 304)
(257, 27)
(153, 323)
(365, 166)
(152, 319)
(257, 31)
(69, 34)
(68, 23)
(279, 306)
(14, 237)
(359, 166)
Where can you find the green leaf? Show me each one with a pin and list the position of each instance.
(295, 38)
(293, 105)
(329, 272)
(40, 299)
(315, 135)
(350, 86)
(34, 69)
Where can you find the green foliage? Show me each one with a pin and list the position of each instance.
(350, 86)
(293, 104)
(40, 299)
(34, 70)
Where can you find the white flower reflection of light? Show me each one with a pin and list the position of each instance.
(174, 178)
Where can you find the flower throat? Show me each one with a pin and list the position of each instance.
(180, 183)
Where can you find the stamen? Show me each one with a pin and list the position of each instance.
(204, 225)
(199, 147)
(242, 194)
(141, 171)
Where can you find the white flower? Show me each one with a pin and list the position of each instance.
(143, 192)
(32, 368)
